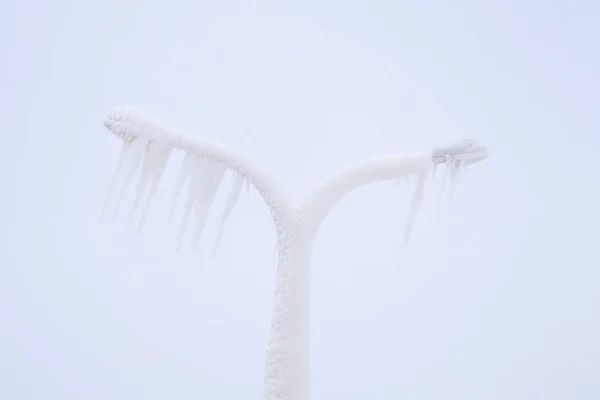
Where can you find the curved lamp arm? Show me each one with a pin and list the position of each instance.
(322, 200)
(131, 123)
(398, 167)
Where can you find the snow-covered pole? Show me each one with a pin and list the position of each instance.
(147, 147)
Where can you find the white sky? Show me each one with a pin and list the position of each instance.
(497, 295)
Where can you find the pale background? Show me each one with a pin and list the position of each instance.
(495, 298)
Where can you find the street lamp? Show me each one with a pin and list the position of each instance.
(147, 146)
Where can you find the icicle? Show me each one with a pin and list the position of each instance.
(400, 182)
(122, 156)
(433, 170)
(161, 165)
(234, 195)
(448, 165)
(208, 176)
(151, 154)
(134, 158)
(187, 211)
(454, 176)
(205, 181)
(417, 200)
(186, 168)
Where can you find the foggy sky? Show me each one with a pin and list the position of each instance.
(496, 296)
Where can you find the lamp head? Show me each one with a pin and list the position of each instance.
(467, 151)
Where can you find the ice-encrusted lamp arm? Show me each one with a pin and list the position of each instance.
(131, 123)
(337, 186)
(396, 167)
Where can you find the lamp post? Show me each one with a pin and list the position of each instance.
(147, 145)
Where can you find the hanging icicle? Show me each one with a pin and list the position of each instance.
(234, 195)
(416, 202)
(125, 149)
(151, 153)
(205, 179)
(161, 164)
(133, 160)
(184, 173)
(208, 177)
